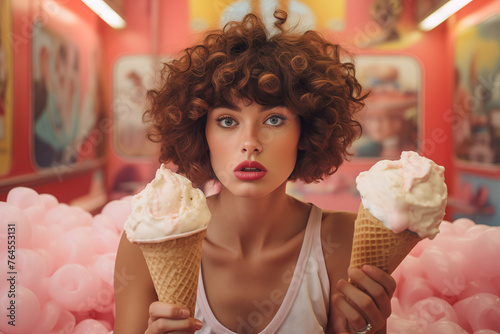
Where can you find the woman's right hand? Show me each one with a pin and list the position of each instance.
(170, 318)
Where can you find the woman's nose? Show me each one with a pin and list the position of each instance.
(251, 143)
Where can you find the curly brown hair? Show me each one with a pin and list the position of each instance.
(303, 72)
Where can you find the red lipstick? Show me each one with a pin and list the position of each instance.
(250, 171)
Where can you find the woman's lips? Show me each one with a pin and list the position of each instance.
(250, 171)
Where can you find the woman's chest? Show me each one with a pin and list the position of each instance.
(245, 295)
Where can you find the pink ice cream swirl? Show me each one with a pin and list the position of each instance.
(167, 207)
(406, 194)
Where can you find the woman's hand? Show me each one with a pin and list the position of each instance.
(366, 299)
(170, 318)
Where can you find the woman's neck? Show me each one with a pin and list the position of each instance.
(247, 225)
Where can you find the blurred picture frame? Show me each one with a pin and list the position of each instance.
(391, 117)
(476, 99)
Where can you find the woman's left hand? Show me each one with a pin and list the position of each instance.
(365, 301)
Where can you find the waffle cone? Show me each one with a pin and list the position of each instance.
(375, 244)
(174, 266)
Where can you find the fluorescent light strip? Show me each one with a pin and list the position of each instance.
(106, 13)
(442, 13)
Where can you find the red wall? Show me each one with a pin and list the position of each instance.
(75, 21)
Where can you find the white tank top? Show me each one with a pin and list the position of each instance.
(305, 307)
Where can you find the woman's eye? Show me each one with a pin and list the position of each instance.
(275, 120)
(226, 122)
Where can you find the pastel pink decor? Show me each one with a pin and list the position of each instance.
(64, 264)
(450, 284)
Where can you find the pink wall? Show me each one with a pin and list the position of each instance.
(141, 37)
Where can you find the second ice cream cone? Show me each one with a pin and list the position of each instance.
(375, 244)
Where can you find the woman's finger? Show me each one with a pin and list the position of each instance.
(376, 284)
(170, 311)
(361, 301)
(164, 325)
(383, 278)
(354, 317)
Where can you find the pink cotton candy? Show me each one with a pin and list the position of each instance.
(104, 240)
(400, 325)
(118, 211)
(65, 323)
(432, 309)
(74, 246)
(49, 316)
(35, 214)
(31, 268)
(26, 313)
(414, 290)
(90, 326)
(485, 256)
(64, 216)
(460, 268)
(74, 287)
(40, 237)
(479, 285)
(14, 223)
(481, 311)
(49, 201)
(64, 262)
(441, 272)
(23, 197)
(462, 225)
(103, 221)
(84, 218)
(104, 266)
(444, 327)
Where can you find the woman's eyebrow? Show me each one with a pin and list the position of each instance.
(227, 106)
(271, 106)
(238, 109)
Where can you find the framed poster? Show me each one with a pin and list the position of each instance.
(476, 104)
(391, 117)
(67, 116)
(56, 98)
(133, 76)
(6, 87)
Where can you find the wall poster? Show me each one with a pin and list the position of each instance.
(391, 117)
(476, 102)
(68, 122)
(133, 76)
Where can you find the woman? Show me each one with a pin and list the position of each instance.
(254, 112)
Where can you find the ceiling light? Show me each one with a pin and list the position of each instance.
(106, 13)
(441, 14)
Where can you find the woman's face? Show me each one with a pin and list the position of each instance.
(253, 148)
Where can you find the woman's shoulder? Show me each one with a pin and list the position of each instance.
(338, 226)
(338, 220)
(336, 237)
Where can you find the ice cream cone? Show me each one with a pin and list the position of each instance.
(174, 265)
(375, 244)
